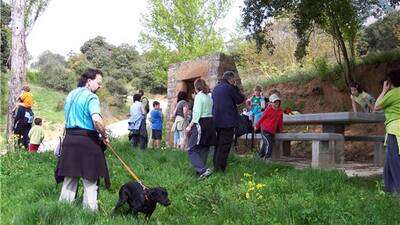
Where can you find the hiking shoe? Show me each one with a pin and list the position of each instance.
(206, 173)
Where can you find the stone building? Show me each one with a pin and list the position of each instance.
(181, 77)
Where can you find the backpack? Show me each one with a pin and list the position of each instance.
(28, 117)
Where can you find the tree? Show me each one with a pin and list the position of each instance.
(24, 14)
(181, 30)
(252, 65)
(98, 52)
(53, 72)
(5, 41)
(341, 19)
(383, 35)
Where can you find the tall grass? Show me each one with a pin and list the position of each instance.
(46, 104)
(250, 192)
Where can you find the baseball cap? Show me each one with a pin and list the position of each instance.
(273, 98)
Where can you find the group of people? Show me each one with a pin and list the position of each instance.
(211, 121)
(26, 127)
(137, 122)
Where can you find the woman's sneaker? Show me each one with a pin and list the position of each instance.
(206, 173)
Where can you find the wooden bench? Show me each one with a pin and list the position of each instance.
(379, 150)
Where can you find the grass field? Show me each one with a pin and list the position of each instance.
(250, 192)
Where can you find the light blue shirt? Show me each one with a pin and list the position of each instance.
(84, 104)
(136, 116)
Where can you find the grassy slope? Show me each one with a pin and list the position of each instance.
(46, 101)
(29, 195)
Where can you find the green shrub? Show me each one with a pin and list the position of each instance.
(32, 76)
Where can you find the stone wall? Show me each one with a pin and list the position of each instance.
(181, 75)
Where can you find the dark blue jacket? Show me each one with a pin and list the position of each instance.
(225, 98)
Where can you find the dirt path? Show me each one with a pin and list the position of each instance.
(116, 130)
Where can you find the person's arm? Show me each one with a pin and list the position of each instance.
(262, 102)
(378, 103)
(237, 96)
(143, 109)
(354, 104)
(368, 100)
(261, 120)
(99, 125)
(196, 113)
(94, 110)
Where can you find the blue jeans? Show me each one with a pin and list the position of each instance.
(177, 137)
(391, 170)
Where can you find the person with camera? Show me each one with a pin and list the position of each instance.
(226, 95)
(389, 102)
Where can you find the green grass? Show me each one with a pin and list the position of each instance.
(46, 104)
(29, 194)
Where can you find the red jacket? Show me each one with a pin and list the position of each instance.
(271, 120)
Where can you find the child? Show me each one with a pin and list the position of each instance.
(187, 117)
(257, 104)
(270, 122)
(156, 118)
(362, 98)
(36, 135)
(25, 99)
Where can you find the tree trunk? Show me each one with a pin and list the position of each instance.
(339, 37)
(18, 59)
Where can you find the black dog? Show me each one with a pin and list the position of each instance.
(141, 200)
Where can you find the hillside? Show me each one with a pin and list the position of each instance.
(320, 94)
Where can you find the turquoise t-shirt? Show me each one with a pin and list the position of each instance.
(84, 104)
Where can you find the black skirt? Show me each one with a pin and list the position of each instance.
(82, 156)
(203, 133)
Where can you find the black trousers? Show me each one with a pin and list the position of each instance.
(23, 132)
(224, 142)
(137, 139)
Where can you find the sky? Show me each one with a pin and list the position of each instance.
(66, 24)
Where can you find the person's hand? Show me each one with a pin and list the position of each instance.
(255, 129)
(386, 86)
(189, 128)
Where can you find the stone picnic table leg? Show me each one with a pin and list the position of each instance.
(336, 148)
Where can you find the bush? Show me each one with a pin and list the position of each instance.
(60, 105)
(32, 76)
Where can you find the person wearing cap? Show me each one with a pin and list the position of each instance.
(270, 122)
(226, 95)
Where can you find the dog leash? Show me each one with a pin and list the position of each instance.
(127, 168)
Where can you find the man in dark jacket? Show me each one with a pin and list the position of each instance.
(226, 95)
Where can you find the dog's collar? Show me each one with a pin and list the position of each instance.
(146, 194)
